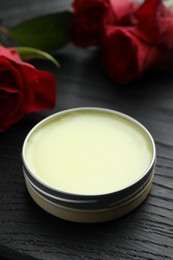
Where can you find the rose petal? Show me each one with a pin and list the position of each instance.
(11, 54)
(39, 88)
(125, 56)
(155, 23)
(9, 72)
(45, 93)
(10, 102)
(123, 11)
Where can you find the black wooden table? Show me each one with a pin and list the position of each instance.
(26, 231)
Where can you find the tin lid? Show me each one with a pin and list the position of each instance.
(92, 120)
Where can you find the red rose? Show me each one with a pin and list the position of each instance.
(23, 88)
(126, 57)
(90, 17)
(155, 23)
(88, 20)
(143, 44)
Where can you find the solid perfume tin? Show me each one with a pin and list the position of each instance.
(89, 164)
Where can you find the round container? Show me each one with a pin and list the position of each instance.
(88, 164)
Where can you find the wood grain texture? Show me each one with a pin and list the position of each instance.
(26, 231)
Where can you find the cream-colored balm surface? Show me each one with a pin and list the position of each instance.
(89, 152)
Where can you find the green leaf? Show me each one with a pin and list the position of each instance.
(48, 33)
(3, 35)
(27, 53)
(2, 39)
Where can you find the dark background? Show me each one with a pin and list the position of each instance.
(26, 231)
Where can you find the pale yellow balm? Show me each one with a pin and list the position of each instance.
(89, 152)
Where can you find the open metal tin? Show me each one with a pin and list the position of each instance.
(86, 207)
